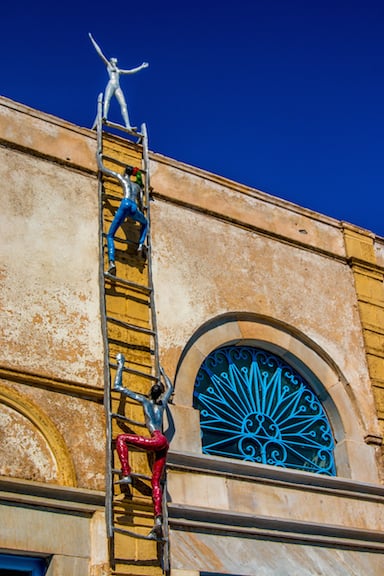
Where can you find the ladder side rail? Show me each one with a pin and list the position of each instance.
(104, 327)
(149, 242)
(165, 538)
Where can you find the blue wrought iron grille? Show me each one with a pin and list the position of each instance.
(255, 407)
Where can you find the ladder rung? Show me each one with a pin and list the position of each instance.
(128, 326)
(135, 372)
(136, 535)
(106, 157)
(122, 128)
(121, 240)
(133, 474)
(109, 196)
(121, 417)
(140, 287)
(127, 242)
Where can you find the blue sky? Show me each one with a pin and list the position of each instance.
(286, 96)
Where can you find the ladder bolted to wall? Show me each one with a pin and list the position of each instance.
(129, 328)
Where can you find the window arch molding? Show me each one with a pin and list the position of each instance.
(354, 458)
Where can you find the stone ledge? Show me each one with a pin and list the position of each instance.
(188, 518)
(50, 496)
(274, 475)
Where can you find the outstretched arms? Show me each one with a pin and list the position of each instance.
(98, 49)
(137, 69)
(107, 63)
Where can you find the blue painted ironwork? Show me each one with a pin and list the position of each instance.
(255, 407)
(22, 565)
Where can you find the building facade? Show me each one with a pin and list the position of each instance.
(268, 319)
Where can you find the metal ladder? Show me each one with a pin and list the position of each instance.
(129, 325)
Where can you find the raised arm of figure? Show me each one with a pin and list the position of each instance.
(118, 382)
(98, 49)
(168, 387)
(133, 70)
(107, 171)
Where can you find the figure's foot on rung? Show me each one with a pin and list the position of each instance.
(124, 480)
(156, 533)
(112, 268)
(142, 250)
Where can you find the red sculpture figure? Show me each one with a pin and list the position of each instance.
(153, 407)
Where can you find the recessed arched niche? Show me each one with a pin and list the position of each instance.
(353, 457)
(31, 447)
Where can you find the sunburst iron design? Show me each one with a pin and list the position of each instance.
(255, 407)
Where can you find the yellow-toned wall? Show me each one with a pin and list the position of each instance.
(364, 252)
(128, 305)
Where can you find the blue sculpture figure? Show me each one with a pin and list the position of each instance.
(130, 206)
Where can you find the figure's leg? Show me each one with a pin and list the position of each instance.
(157, 472)
(148, 444)
(107, 99)
(159, 445)
(123, 106)
(122, 450)
(116, 223)
(139, 217)
(111, 254)
(157, 494)
(144, 227)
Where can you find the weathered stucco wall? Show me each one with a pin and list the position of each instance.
(49, 267)
(222, 248)
(52, 353)
(49, 254)
(236, 265)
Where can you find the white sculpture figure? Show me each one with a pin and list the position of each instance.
(113, 86)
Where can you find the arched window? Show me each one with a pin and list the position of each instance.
(255, 407)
